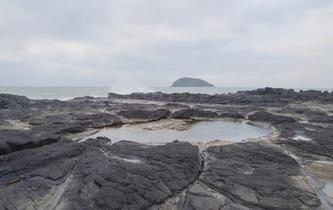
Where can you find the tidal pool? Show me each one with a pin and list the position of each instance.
(202, 131)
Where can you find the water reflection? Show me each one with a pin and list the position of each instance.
(203, 131)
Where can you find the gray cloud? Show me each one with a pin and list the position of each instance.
(151, 43)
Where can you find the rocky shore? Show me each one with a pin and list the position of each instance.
(44, 165)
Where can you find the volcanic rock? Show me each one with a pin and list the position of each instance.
(263, 116)
(193, 113)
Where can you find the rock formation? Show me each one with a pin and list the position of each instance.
(44, 166)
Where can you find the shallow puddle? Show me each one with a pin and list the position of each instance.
(203, 131)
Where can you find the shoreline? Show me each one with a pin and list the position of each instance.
(70, 92)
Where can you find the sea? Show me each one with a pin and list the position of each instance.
(67, 93)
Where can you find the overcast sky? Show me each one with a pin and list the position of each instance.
(249, 43)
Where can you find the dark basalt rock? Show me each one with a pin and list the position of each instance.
(89, 176)
(175, 106)
(50, 129)
(257, 176)
(232, 115)
(199, 196)
(63, 121)
(185, 158)
(84, 98)
(319, 117)
(272, 91)
(15, 140)
(98, 120)
(149, 115)
(74, 121)
(318, 147)
(99, 141)
(12, 106)
(8, 101)
(74, 129)
(263, 116)
(267, 96)
(310, 115)
(193, 113)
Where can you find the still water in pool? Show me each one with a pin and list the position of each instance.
(203, 131)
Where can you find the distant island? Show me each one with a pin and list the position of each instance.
(191, 82)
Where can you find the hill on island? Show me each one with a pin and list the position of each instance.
(191, 82)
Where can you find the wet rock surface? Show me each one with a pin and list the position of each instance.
(43, 166)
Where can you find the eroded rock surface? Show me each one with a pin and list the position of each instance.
(149, 115)
(68, 175)
(258, 176)
(42, 166)
(193, 113)
(266, 96)
(267, 117)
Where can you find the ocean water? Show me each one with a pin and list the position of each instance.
(66, 93)
(61, 93)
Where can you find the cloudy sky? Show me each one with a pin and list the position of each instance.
(246, 43)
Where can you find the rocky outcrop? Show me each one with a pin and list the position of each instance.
(258, 177)
(191, 82)
(193, 113)
(267, 117)
(15, 140)
(315, 141)
(232, 115)
(8, 101)
(267, 97)
(150, 115)
(71, 175)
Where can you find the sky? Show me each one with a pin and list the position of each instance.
(141, 43)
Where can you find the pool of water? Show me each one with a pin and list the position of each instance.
(203, 131)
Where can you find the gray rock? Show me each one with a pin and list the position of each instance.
(200, 196)
(87, 175)
(8, 101)
(276, 97)
(257, 176)
(263, 116)
(193, 113)
(150, 115)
